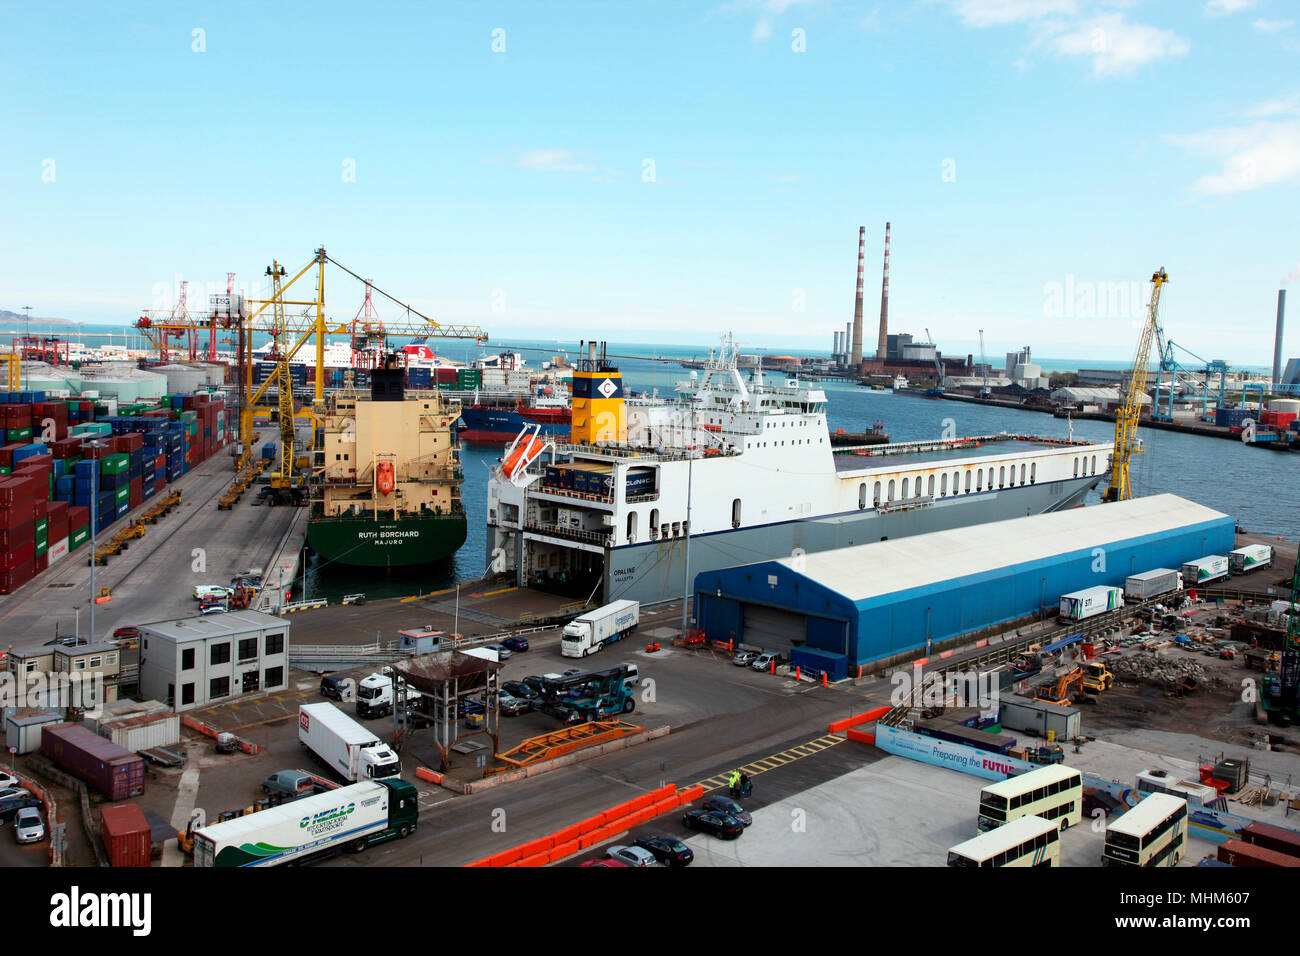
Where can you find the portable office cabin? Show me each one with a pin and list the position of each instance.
(870, 604)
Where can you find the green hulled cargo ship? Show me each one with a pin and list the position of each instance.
(386, 478)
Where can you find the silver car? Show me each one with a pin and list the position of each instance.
(632, 856)
(743, 658)
(503, 652)
(28, 825)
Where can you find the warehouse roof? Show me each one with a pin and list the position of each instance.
(871, 570)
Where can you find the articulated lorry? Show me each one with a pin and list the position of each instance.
(1204, 570)
(593, 696)
(1250, 558)
(589, 632)
(343, 745)
(350, 818)
(1080, 605)
(377, 695)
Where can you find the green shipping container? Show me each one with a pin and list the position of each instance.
(41, 546)
(78, 537)
(5, 470)
(42, 527)
(122, 494)
(114, 464)
(469, 378)
(18, 434)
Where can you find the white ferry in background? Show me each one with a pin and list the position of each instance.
(747, 469)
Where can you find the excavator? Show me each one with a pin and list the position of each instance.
(1090, 677)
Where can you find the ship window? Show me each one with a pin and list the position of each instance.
(654, 520)
(1094, 464)
(967, 482)
(917, 492)
(1076, 467)
(979, 479)
(1002, 476)
(956, 482)
(735, 513)
(905, 481)
(631, 527)
(862, 495)
(1033, 473)
(891, 489)
(876, 499)
(929, 487)
(1022, 474)
(943, 485)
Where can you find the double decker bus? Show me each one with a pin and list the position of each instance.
(1154, 833)
(1053, 793)
(1026, 841)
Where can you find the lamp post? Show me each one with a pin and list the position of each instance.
(94, 520)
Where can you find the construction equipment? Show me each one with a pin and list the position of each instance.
(1097, 677)
(1046, 755)
(14, 363)
(1281, 698)
(1062, 689)
(1128, 415)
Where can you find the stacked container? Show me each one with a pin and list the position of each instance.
(113, 771)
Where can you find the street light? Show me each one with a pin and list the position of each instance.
(94, 520)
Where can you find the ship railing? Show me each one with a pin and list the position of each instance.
(637, 499)
(578, 495)
(555, 531)
(623, 450)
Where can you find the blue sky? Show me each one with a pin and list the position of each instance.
(663, 171)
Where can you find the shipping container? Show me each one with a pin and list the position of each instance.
(959, 734)
(1250, 558)
(1277, 839)
(1039, 717)
(1079, 605)
(1202, 571)
(1149, 584)
(126, 835)
(1240, 853)
(143, 731)
(23, 730)
(116, 773)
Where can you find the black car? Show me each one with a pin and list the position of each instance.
(64, 641)
(730, 807)
(9, 806)
(667, 850)
(721, 825)
(520, 690)
(331, 685)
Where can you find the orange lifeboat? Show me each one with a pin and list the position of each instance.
(524, 453)
(385, 478)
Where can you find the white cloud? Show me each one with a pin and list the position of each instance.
(763, 28)
(767, 11)
(1250, 157)
(553, 160)
(1283, 106)
(1272, 26)
(1117, 47)
(990, 13)
(1226, 8)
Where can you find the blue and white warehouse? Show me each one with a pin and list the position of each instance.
(837, 610)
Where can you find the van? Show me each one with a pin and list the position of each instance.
(292, 783)
(633, 672)
(211, 590)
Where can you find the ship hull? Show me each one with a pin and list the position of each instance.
(655, 572)
(501, 425)
(365, 542)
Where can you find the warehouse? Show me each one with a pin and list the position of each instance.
(849, 607)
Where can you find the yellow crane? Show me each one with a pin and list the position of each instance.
(1127, 416)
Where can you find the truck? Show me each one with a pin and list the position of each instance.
(580, 697)
(1080, 605)
(377, 694)
(1153, 583)
(1250, 558)
(589, 632)
(343, 745)
(351, 818)
(1204, 570)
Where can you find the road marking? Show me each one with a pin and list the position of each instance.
(186, 792)
(760, 765)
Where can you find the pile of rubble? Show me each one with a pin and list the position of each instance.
(1169, 673)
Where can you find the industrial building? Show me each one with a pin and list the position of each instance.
(873, 604)
(197, 661)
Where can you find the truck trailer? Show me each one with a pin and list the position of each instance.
(1250, 558)
(1081, 605)
(589, 632)
(343, 745)
(377, 695)
(1204, 570)
(1153, 583)
(351, 818)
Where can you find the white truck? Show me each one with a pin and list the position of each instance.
(351, 818)
(1250, 558)
(1080, 605)
(1204, 570)
(1153, 583)
(590, 632)
(343, 745)
(377, 694)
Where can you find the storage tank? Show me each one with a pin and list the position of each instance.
(182, 379)
(1285, 405)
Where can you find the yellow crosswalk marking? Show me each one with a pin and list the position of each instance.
(773, 761)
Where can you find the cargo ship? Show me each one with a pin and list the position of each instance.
(385, 489)
(484, 422)
(746, 471)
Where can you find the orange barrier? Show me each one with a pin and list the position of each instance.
(539, 859)
(861, 736)
(565, 849)
(432, 776)
(569, 834)
(865, 717)
(690, 794)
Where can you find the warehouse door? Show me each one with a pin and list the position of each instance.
(772, 629)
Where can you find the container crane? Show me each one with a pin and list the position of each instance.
(1127, 416)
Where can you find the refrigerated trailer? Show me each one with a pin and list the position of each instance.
(590, 632)
(1153, 583)
(1080, 605)
(351, 818)
(1250, 558)
(343, 745)
(1204, 570)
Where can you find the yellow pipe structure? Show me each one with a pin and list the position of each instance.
(1127, 417)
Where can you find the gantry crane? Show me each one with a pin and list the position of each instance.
(1127, 416)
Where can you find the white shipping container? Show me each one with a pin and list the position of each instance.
(1204, 570)
(1250, 558)
(58, 550)
(24, 732)
(1148, 584)
(141, 733)
(1090, 602)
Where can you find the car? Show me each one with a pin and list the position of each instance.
(21, 799)
(730, 807)
(332, 686)
(354, 599)
(515, 643)
(472, 706)
(711, 821)
(213, 609)
(604, 862)
(64, 641)
(744, 658)
(28, 825)
(667, 850)
(503, 652)
(510, 705)
(129, 633)
(764, 661)
(571, 672)
(521, 691)
(8, 781)
(253, 574)
(12, 790)
(631, 856)
(202, 591)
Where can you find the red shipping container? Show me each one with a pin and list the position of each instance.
(66, 447)
(78, 517)
(101, 449)
(40, 509)
(1240, 853)
(18, 416)
(57, 530)
(133, 441)
(160, 463)
(42, 562)
(18, 555)
(24, 533)
(126, 835)
(1278, 839)
(162, 483)
(113, 771)
(17, 495)
(57, 511)
(11, 581)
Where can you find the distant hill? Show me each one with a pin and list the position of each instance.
(17, 319)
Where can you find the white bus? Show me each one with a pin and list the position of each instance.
(1053, 793)
(1154, 833)
(1027, 841)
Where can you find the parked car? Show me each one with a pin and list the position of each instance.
(763, 662)
(571, 672)
(127, 633)
(331, 686)
(666, 849)
(516, 643)
(604, 862)
(744, 658)
(510, 705)
(208, 609)
(292, 783)
(730, 807)
(503, 652)
(8, 781)
(28, 825)
(253, 574)
(520, 690)
(711, 821)
(211, 590)
(472, 706)
(12, 802)
(64, 641)
(12, 790)
(631, 855)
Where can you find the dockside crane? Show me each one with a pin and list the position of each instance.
(1128, 415)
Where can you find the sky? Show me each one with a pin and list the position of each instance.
(660, 171)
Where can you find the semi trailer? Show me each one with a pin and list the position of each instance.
(590, 632)
(343, 745)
